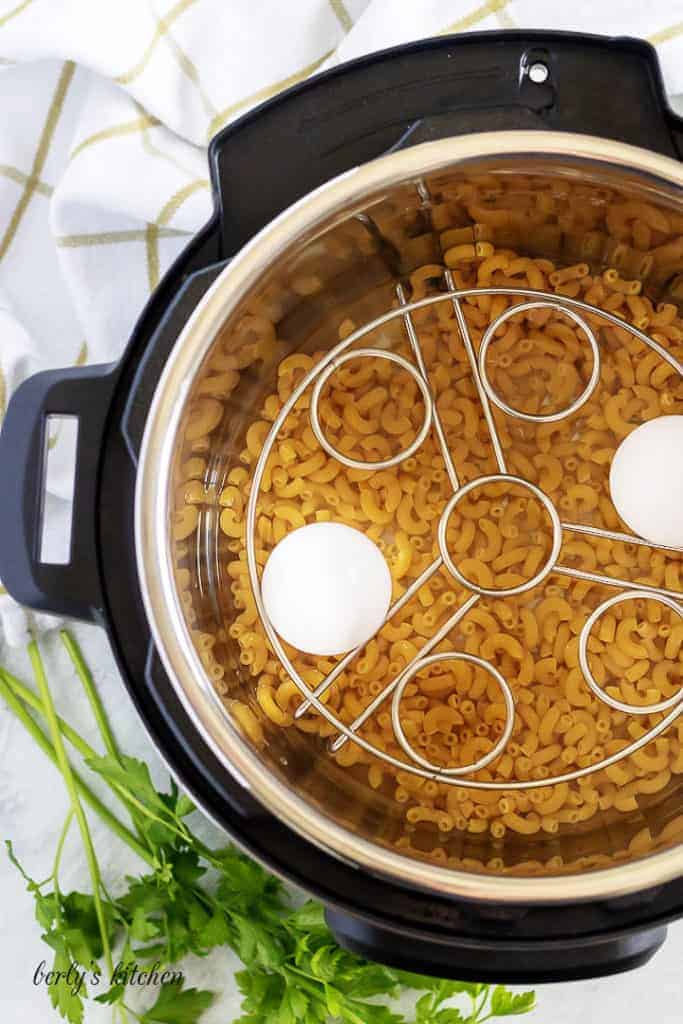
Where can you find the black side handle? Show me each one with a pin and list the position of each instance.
(73, 589)
(501, 961)
(432, 89)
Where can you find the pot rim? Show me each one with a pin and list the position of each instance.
(152, 534)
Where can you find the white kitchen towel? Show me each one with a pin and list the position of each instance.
(107, 106)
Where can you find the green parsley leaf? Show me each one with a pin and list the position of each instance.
(111, 996)
(419, 982)
(245, 886)
(141, 927)
(215, 932)
(506, 1004)
(263, 993)
(451, 1015)
(46, 909)
(309, 918)
(294, 1006)
(156, 832)
(355, 1011)
(324, 964)
(80, 927)
(177, 1006)
(132, 775)
(368, 979)
(184, 806)
(186, 868)
(429, 1007)
(448, 989)
(424, 1008)
(256, 944)
(46, 905)
(64, 996)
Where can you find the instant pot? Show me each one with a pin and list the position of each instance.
(364, 147)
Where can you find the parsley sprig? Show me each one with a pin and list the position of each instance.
(192, 899)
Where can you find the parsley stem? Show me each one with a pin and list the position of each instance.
(65, 768)
(84, 674)
(134, 802)
(205, 852)
(131, 1011)
(33, 701)
(314, 988)
(60, 847)
(32, 727)
(74, 738)
(478, 1008)
(76, 655)
(74, 650)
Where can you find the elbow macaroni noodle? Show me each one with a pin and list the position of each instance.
(499, 537)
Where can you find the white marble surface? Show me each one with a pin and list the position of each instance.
(32, 808)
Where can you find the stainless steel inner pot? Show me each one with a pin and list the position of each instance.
(339, 254)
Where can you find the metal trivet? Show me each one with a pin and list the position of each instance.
(317, 378)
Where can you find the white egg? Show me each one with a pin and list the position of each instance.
(646, 480)
(326, 588)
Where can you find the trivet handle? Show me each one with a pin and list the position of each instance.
(72, 589)
(434, 89)
(500, 961)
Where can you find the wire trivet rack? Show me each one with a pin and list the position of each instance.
(316, 379)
